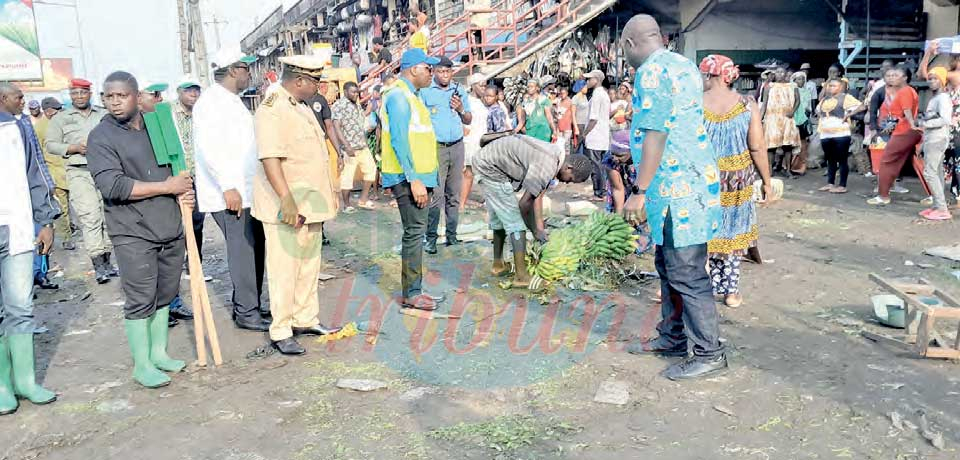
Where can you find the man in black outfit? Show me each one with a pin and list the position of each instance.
(144, 224)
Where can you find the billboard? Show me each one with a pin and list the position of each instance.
(19, 47)
(57, 74)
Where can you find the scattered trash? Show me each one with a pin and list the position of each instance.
(104, 387)
(896, 420)
(363, 385)
(40, 330)
(946, 252)
(956, 274)
(908, 263)
(613, 392)
(893, 386)
(926, 266)
(289, 404)
(789, 236)
(935, 437)
(78, 332)
(115, 406)
(724, 410)
(118, 303)
(417, 393)
(348, 330)
(261, 352)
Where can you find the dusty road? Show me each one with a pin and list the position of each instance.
(511, 380)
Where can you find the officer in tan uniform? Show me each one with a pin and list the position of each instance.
(67, 137)
(293, 195)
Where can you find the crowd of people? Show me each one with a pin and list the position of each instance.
(679, 153)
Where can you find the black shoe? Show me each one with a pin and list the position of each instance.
(100, 273)
(430, 247)
(266, 315)
(43, 283)
(697, 367)
(181, 311)
(289, 347)
(68, 245)
(425, 302)
(316, 330)
(110, 269)
(452, 241)
(656, 347)
(325, 241)
(171, 321)
(251, 323)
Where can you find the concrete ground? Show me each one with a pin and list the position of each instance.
(516, 378)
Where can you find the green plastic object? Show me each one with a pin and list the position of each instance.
(162, 130)
(8, 399)
(158, 342)
(144, 371)
(24, 379)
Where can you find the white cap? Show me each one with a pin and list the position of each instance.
(230, 55)
(476, 79)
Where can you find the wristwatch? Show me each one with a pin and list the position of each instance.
(50, 225)
(637, 190)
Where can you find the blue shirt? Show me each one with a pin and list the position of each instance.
(668, 97)
(398, 111)
(446, 121)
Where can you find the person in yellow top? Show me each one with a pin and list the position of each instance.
(292, 196)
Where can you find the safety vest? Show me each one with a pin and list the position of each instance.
(423, 141)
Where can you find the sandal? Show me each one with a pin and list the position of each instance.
(368, 205)
(350, 210)
(839, 190)
(733, 300)
(826, 188)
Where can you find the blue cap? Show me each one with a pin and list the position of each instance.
(578, 85)
(416, 56)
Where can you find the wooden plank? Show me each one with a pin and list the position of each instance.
(887, 340)
(944, 312)
(947, 298)
(945, 353)
(923, 335)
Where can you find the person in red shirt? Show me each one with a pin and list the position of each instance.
(566, 126)
(897, 115)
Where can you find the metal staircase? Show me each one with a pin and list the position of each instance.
(516, 31)
(868, 36)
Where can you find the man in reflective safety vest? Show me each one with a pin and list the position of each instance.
(409, 167)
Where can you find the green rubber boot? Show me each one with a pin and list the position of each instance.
(8, 399)
(24, 379)
(158, 342)
(144, 371)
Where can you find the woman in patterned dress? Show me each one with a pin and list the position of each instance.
(780, 101)
(733, 125)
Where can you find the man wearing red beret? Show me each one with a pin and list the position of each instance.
(67, 137)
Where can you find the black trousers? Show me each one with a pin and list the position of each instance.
(447, 196)
(836, 150)
(688, 311)
(245, 243)
(149, 275)
(414, 220)
(599, 172)
(198, 218)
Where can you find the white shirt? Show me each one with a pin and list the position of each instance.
(225, 148)
(478, 126)
(16, 207)
(599, 137)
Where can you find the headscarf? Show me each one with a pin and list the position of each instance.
(802, 75)
(941, 74)
(721, 66)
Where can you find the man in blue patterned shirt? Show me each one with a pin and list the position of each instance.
(678, 166)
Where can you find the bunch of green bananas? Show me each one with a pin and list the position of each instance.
(560, 256)
(609, 235)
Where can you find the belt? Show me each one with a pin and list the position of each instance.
(449, 144)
